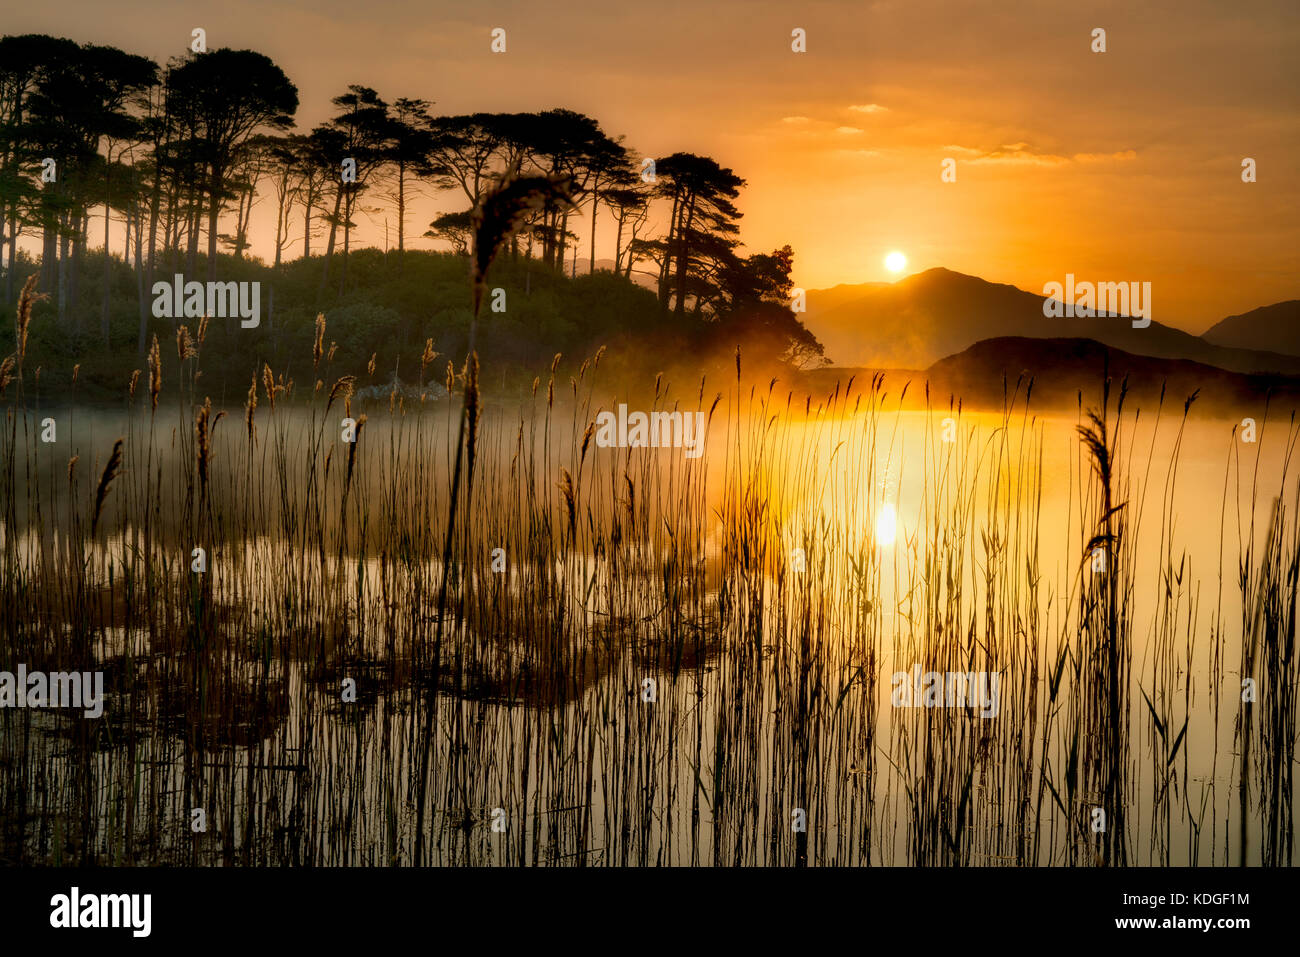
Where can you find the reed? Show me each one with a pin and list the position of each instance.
(475, 636)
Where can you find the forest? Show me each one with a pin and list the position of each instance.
(117, 172)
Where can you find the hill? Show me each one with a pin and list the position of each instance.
(1063, 369)
(1275, 328)
(918, 320)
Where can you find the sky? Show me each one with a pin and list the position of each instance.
(1117, 166)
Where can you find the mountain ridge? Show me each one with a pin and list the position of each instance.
(1277, 324)
(924, 317)
(1066, 374)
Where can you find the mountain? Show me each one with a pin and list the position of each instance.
(837, 296)
(1062, 368)
(1064, 371)
(1275, 328)
(916, 321)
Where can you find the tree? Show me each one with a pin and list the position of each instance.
(610, 170)
(313, 158)
(631, 207)
(228, 95)
(358, 134)
(453, 228)
(570, 144)
(254, 159)
(409, 146)
(464, 151)
(282, 165)
(25, 61)
(82, 98)
(753, 309)
(703, 223)
(157, 129)
(114, 81)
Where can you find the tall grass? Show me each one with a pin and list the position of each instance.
(625, 656)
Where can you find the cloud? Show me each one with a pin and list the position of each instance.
(869, 108)
(1022, 154)
(1122, 157)
(794, 119)
(847, 129)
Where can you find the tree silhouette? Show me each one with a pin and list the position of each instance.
(282, 165)
(194, 151)
(570, 144)
(112, 83)
(453, 228)
(314, 161)
(227, 96)
(464, 152)
(408, 150)
(26, 62)
(254, 159)
(753, 308)
(80, 101)
(608, 161)
(360, 134)
(702, 225)
(630, 207)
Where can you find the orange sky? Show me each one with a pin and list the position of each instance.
(1124, 165)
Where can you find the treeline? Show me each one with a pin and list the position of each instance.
(178, 156)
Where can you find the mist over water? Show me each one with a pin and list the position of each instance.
(646, 657)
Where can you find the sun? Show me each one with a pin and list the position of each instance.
(886, 525)
(895, 261)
